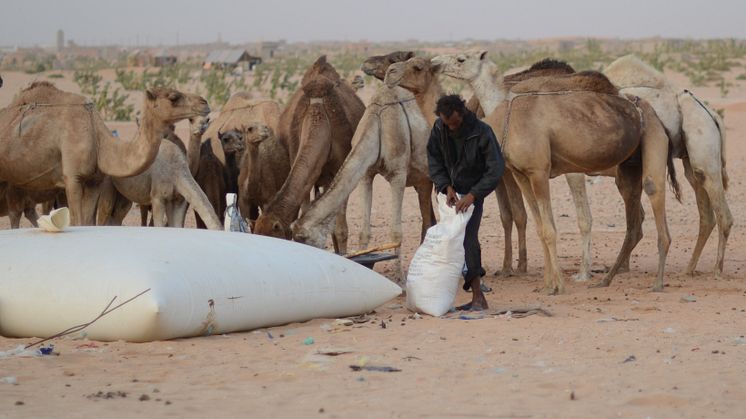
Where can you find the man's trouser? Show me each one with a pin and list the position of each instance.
(472, 250)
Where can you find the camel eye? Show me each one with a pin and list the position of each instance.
(461, 59)
(251, 129)
(417, 68)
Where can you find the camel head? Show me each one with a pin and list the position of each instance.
(357, 82)
(171, 106)
(270, 225)
(320, 67)
(199, 124)
(465, 66)
(232, 141)
(255, 133)
(311, 235)
(376, 65)
(318, 87)
(415, 74)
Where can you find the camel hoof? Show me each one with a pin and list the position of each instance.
(602, 284)
(522, 269)
(657, 288)
(551, 291)
(584, 277)
(504, 273)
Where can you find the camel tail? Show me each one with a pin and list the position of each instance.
(187, 187)
(675, 187)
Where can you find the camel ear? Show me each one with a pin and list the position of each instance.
(435, 67)
(482, 55)
(321, 60)
(150, 95)
(409, 55)
(174, 96)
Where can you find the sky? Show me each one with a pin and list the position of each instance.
(170, 22)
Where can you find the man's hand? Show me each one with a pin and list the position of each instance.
(463, 204)
(451, 197)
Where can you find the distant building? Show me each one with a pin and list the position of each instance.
(60, 40)
(231, 59)
(163, 59)
(267, 49)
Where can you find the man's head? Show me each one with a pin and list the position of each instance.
(451, 109)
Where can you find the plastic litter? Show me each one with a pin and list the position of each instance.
(233, 220)
(308, 341)
(9, 380)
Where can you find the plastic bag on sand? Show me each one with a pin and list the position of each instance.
(432, 280)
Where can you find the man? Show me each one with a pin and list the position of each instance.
(465, 163)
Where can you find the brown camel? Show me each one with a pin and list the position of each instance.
(15, 202)
(575, 124)
(168, 186)
(390, 140)
(317, 128)
(264, 168)
(220, 163)
(52, 139)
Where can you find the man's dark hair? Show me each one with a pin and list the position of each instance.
(449, 104)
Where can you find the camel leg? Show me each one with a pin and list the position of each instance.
(706, 215)
(506, 218)
(188, 188)
(520, 218)
(540, 186)
(366, 195)
(122, 207)
(31, 215)
(74, 193)
(533, 204)
(425, 198)
(179, 212)
(654, 155)
(629, 184)
(710, 194)
(341, 232)
(159, 212)
(576, 182)
(397, 183)
(91, 194)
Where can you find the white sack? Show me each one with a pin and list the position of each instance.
(435, 270)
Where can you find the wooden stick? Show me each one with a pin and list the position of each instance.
(387, 246)
(80, 327)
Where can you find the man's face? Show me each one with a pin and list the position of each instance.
(453, 122)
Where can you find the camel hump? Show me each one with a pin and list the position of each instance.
(545, 67)
(630, 71)
(587, 81)
(48, 93)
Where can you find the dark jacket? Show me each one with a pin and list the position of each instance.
(480, 166)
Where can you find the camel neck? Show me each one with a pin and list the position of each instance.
(120, 158)
(428, 99)
(488, 89)
(193, 148)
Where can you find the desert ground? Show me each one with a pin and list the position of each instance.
(620, 351)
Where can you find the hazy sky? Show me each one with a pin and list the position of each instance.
(29, 22)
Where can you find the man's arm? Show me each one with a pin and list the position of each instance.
(436, 163)
(495, 165)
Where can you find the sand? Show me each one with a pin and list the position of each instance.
(615, 352)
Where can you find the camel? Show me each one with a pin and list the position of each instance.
(698, 136)
(264, 168)
(15, 202)
(390, 140)
(52, 139)
(316, 128)
(167, 186)
(577, 123)
(219, 164)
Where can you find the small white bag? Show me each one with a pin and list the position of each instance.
(435, 270)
